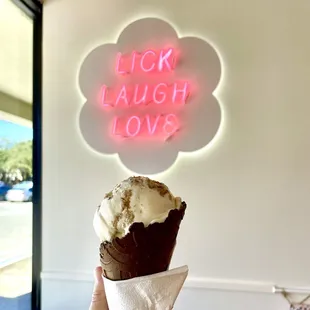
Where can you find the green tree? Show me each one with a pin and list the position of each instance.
(16, 162)
(3, 160)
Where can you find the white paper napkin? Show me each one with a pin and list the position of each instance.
(154, 292)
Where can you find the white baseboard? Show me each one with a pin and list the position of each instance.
(72, 291)
(191, 282)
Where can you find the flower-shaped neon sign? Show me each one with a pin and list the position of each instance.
(150, 96)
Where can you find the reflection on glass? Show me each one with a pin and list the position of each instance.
(15, 158)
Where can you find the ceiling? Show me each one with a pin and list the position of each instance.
(15, 52)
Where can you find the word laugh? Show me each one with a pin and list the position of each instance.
(135, 95)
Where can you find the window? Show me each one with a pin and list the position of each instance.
(20, 154)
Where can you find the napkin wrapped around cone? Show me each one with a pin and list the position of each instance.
(158, 291)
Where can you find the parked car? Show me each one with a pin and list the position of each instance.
(3, 190)
(20, 192)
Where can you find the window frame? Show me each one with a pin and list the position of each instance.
(33, 8)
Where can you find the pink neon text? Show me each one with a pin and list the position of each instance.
(161, 93)
(138, 126)
(148, 61)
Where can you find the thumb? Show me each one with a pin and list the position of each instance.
(99, 301)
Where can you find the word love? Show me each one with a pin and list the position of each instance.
(160, 125)
(128, 95)
(163, 60)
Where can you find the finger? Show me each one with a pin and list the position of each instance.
(99, 301)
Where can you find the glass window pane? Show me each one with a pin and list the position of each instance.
(16, 35)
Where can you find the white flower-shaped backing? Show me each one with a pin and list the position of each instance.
(198, 119)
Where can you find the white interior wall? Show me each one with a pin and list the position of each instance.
(247, 195)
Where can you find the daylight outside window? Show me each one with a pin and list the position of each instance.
(16, 35)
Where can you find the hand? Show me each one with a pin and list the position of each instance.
(99, 300)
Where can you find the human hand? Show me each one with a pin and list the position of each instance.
(99, 300)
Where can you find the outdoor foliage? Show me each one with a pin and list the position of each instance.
(15, 162)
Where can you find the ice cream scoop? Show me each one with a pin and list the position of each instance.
(137, 223)
(135, 200)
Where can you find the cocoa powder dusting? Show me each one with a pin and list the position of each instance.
(136, 181)
(127, 213)
(126, 199)
(116, 220)
(144, 181)
(160, 187)
(108, 195)
(129, 216)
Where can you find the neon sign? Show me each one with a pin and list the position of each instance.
(149, 95)
(147, 61)
(160, 125)
(132, 95)
(128, 95)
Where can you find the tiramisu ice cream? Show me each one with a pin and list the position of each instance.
(137, 223)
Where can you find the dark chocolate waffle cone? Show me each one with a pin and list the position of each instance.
(144, 250)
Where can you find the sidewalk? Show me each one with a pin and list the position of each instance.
(15, 249)
(15, 286)
(15, 279)
(18, 303)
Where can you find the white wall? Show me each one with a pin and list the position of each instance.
(248, 195)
